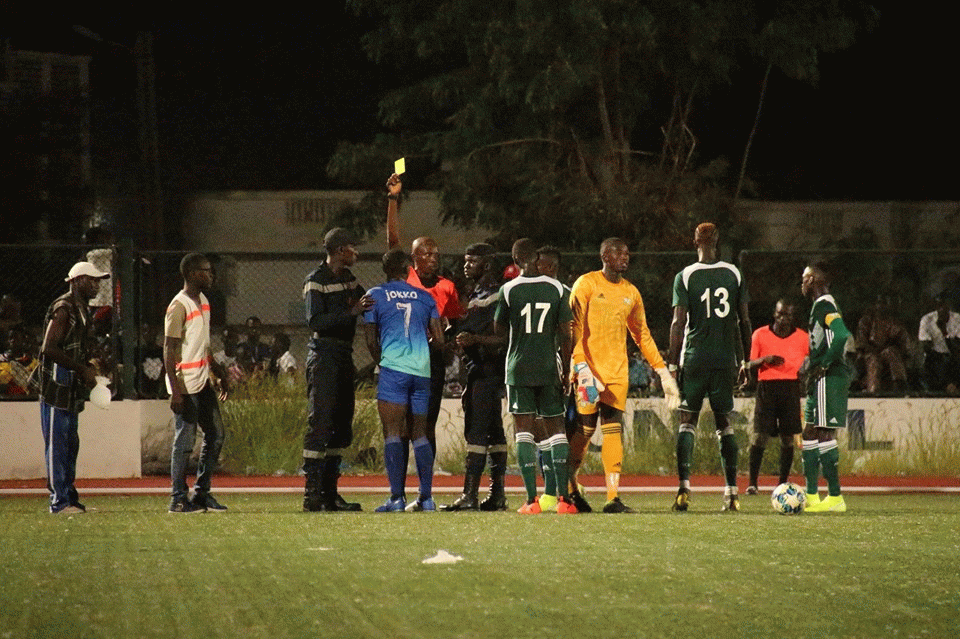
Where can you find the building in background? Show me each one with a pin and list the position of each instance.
(45, 176)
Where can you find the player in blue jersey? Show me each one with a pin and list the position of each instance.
(398, 329)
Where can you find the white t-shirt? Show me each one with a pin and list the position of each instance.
(930, 332)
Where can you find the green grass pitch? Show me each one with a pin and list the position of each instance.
(889, 567)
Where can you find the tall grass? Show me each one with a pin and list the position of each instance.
(926, 448)
(266, 419)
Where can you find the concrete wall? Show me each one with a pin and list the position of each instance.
(109, 441)
(132, 435)
(293, 221)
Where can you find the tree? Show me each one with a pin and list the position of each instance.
(791, 38)
(541, 117)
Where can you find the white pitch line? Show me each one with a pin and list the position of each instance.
(450, 490)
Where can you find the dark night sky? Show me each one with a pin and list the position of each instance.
(261, 105)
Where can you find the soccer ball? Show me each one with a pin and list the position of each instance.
(788, 499)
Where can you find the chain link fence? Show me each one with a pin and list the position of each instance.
(31, 277)
(269, 286)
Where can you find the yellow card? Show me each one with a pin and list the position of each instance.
(400, 167)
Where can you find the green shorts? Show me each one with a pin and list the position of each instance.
(826, 405)
(542, 401)
(716, 384)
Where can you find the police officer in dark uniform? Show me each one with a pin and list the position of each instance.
(333, 300)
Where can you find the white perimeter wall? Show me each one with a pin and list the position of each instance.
(112, 441)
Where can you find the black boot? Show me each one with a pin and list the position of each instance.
(331, 475)
(496, 499)
(313, 486)
(469, 499)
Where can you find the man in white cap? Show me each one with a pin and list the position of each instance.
(66, 375)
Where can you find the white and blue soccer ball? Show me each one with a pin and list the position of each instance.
(788, 499)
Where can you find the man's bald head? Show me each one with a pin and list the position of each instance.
(426, 256)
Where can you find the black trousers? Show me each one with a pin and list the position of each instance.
(330, 389)
(482, 419)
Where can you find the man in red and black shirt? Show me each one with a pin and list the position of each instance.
(776, 353)
(425, 274)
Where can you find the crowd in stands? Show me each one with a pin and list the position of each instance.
(890, 359)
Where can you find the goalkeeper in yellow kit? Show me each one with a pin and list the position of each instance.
(605, 307)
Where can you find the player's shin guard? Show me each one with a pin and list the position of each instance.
(396, 468)
(729, 451)
(579, 441)
(811, 464)
(611, 454)
(546, 467)
(684, 452)
(829, 458)
(786, 462)
(756, 458)
(527, 460)
(423, 454)
(560, 450)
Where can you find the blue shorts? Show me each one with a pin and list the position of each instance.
(406, 389)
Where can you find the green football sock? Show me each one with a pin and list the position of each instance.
(527, 460)
(811, 464)
(729, 451)
(546, 469)
(684, 454)
(828, 461)
(560, 451)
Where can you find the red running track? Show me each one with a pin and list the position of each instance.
(452, 484)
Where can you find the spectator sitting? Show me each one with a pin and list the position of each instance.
(639, 374)
(18, 363)
(940, 337)
(283, 364)
(253, 355)
(883, 346)
(150, 371)
(227, 356)
(101, 306)
(9, 314)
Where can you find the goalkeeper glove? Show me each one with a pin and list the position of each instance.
(588, 386)
(671, 393)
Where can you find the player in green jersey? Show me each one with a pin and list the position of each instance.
(535, 310)
(828, 381)
(709, 321)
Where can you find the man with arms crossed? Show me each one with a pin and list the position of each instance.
(828, 382)
(709, 306)
(397, 328)
(605, 306)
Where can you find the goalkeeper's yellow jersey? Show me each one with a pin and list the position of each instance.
(603, 312)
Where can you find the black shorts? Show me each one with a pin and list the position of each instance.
(778, 408)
